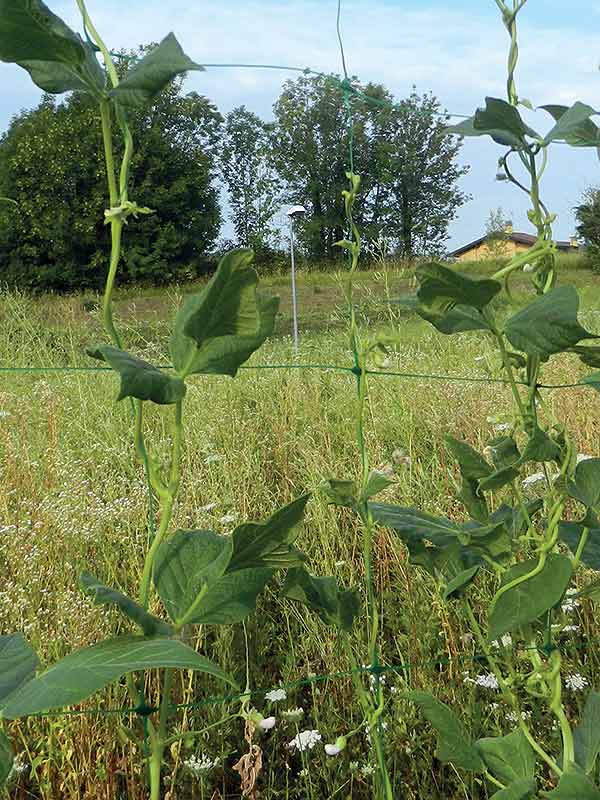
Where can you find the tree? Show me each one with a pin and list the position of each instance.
(311, 153)
(251, 182)
(420, 162)
(52, 165)
(496, 234)
(587, 214)
(407, 164)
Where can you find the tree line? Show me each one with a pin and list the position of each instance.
(190, 157)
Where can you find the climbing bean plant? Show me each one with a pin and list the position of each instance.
(531, 550)
(189, 578)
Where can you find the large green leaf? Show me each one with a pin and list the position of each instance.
(498, 119)
(529, 600)
(218, 329)
(548, 325)
(233, 597)
(503, 452)
(84, 672)
(587, 734)
(573, 125)
(454, 743)
(18, 663)
(472, 464)
(268, 544)
(414, 523)
(139, 378)
(459, 583)
(442, 288)
(55, 56)
(145, 81)
(519, 790)
(571, 533)
(186, 567)
(586, 485)
(106, 596)
(593, 380)
(574, 785)
(509, 758)
(457, 320)
(334, 606)
(498, 479)
(540, 447)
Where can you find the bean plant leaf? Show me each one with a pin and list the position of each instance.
(593, 380)
(146, 80)
(458, 320)
(335, 606)
(574, 785)
(84, 672)
(586, 735)
(457, 586)
(340, 492)
(498, 479)
(548, 325)
(529, 600)
(106, 596)
(573, 125)
(140, 379)
(415, 523)
(232, 598)
(498, 119)
(442, 288)
(186, 567)
(509, 758)
(586, 486)
(269, 544)
(503, 452)
(454, 743)
(589, 355)
(571, 533)
(540, 447)
(56, 57)
(218, 329)
(519, 790)
(472, 464)
(18, 663)
(514, 518)
(6, 758)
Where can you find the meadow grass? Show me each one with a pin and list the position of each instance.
(73, 498)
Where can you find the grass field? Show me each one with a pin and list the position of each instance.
(72, 497)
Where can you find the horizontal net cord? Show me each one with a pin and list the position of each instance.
(319, 367)
(320, 678)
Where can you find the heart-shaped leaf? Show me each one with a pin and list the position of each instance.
(218, 329)
(586, 735)
(442, 288)
(586, 486)
(55, 56)
(106, 596)
(84, 672)
(146, 80)
(335, 606)
(140, 379)
(574, 785)
(509, 758)
(232, 598)
(548, 325)
(268, 544)
(186, 567)
(528, 601)
(18, 663)
(571, 533)
(573, 125)
(519, 790)
(460, 582)
(472, 464)
(498, 119)
(454, 743)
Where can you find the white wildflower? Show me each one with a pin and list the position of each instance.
(570, 602)
(214, 458)
(486, 680)
(505, 641)
(575, 682)
(207, 508)
(267, 723)
(513, 717)
(293, 714)
(275, 695)
(571, 629)
(19, 764)
(227, 519)
(353, 766)
(200, 766)
(367, 769)
(336, 749)
(502, 426)
(528, 267)
(305, 740)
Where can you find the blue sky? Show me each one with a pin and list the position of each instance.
(457, 50)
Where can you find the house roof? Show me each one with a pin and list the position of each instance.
(518, 238)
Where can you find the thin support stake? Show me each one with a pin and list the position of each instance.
(294, 299)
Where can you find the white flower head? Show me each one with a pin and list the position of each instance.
(528, 267)
(293, 714)
(200, 766)
(336, 749)
(576, 682)
(305, 740)
(275, 695)
(267, 723)
(401, 458)
(228, 519)
(487, 680)
(367, 769)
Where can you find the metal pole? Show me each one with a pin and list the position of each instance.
(294, 300)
